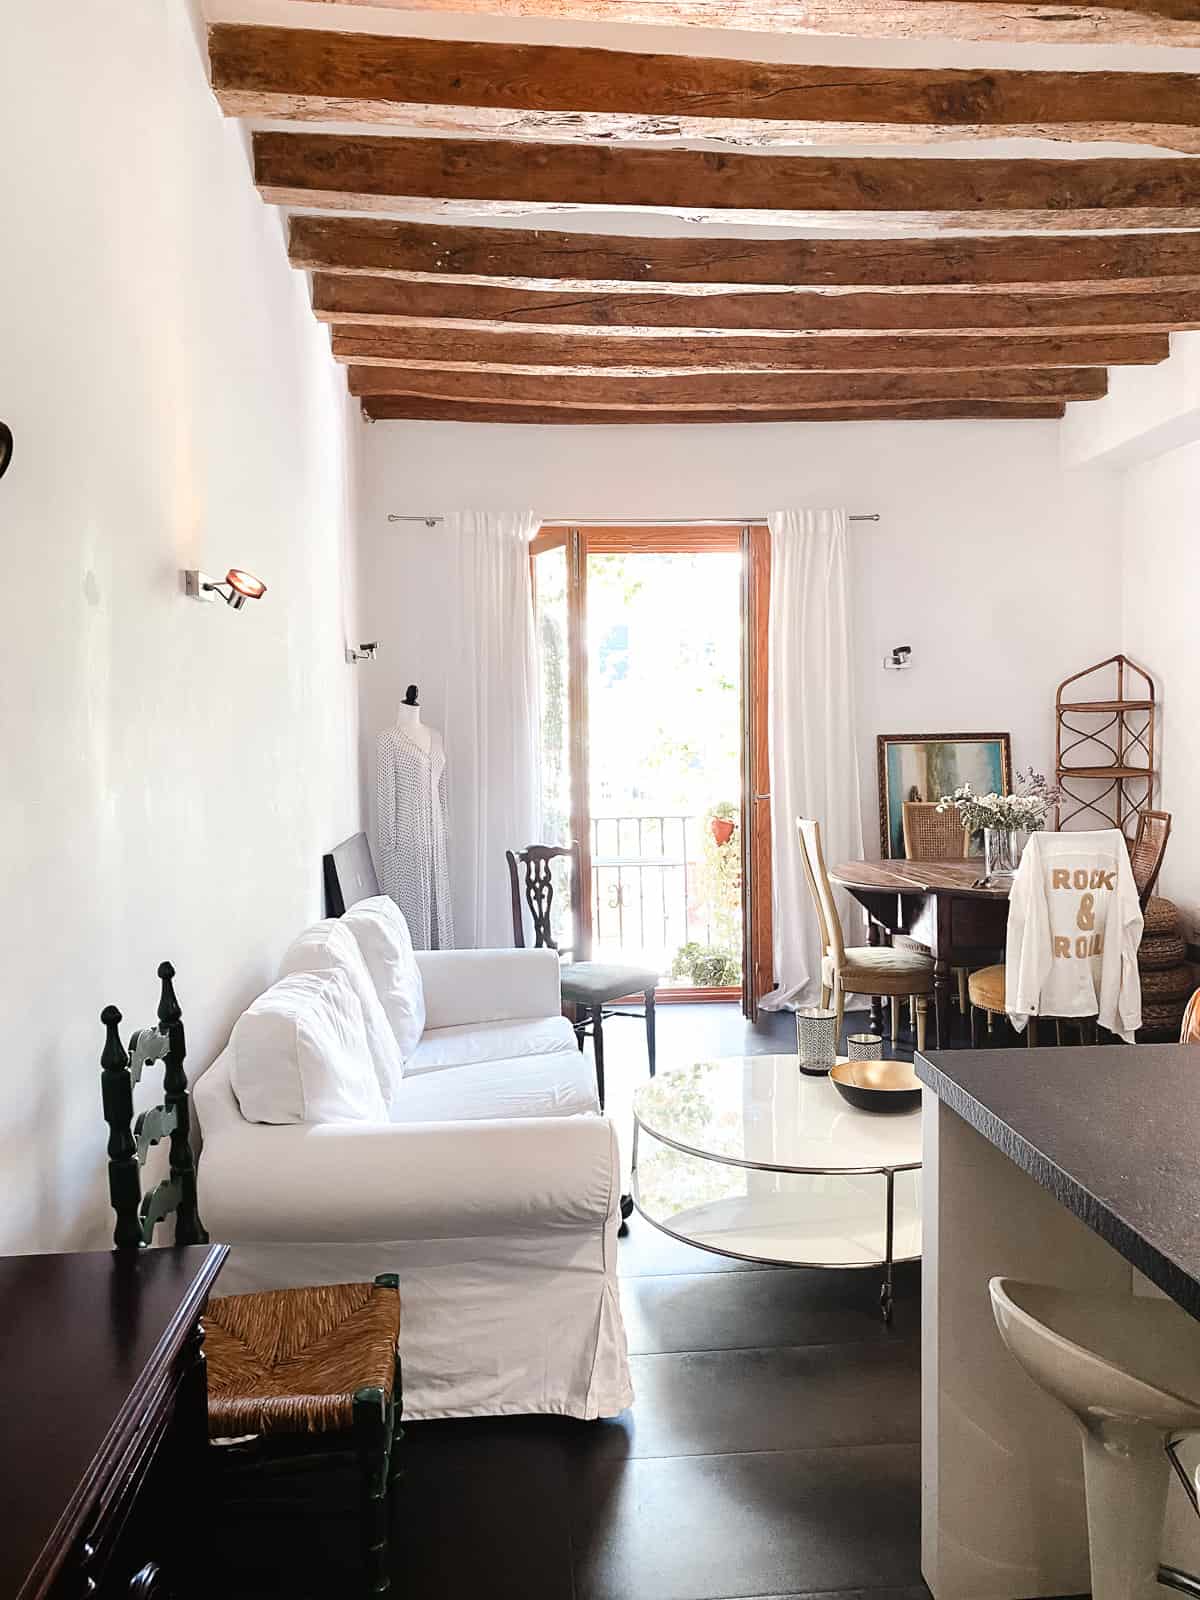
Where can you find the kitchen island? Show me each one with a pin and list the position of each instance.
(1078, 1167)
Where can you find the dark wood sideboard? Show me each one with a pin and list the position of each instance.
(103, 1422)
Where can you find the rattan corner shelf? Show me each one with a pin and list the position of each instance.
(1104, 747)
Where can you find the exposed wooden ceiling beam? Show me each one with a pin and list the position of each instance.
(685, 353)
(506, 177)
(1084, 21)
(730, 390)
(386, 302)
(532, 258)
(930, 411)
(555, 92)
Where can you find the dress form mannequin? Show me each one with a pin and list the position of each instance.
(411, 829)
(408, 720)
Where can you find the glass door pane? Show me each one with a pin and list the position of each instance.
(552, 622)
(550, 617)
(664, 778)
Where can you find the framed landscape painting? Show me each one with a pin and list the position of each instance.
(925, 766)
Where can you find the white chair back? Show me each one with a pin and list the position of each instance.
(1060, 930)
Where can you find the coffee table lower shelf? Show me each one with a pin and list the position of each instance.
(833, 1219)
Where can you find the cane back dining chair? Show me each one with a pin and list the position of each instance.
(590, 988)
(884, 971)
(931, 834)
(296, 1377)
(1147, 851)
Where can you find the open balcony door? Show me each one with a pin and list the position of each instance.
(758, 966)
(559, 561)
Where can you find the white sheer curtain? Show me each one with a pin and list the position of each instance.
(491, 714)
(811, 734)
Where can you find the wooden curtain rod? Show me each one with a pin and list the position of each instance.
(634, 522)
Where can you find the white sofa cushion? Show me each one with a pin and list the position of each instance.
(329, 947)
(559, 1085)
(300, 1054)
(491, 1041)
(382, 934)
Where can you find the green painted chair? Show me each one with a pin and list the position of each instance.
(297, 1378)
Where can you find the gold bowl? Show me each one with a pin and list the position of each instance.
(878, 1085)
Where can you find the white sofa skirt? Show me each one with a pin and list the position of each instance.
(488, 1328)
(503, 1232)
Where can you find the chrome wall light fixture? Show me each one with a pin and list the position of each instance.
(235, 588)
(6, 447)
(365, 652)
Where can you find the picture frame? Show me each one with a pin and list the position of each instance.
(924, 766)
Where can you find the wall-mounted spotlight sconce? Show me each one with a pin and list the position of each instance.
(365, 652)
(6, 447)
(898, 659)
(235, 589)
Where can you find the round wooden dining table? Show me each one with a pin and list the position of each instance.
(944, 904)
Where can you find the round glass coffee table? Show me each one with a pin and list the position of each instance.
(748, 1157)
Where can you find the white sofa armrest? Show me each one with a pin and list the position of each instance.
(358, 1181)
(469, 986)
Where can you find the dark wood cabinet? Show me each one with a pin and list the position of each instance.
(104, 1444)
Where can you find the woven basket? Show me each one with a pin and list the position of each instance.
(1161, 950)
(1160, 916)
(1173, 983)
(1162, 1016)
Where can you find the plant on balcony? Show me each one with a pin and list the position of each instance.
(721, 820)
(719, 880)
(709, 966)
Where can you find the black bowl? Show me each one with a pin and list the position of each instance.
(878, 1085)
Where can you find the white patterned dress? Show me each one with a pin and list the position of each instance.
(411, 822)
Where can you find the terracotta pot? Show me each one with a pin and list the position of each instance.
(722, 829)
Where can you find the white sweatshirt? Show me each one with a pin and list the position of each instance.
(1074, 926)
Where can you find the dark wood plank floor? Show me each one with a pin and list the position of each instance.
(772, 1450)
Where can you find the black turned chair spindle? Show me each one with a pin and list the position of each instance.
(188, 1227)
(124, 1173)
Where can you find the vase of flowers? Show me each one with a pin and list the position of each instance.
(1005, 820)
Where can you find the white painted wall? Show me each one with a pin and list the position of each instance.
(997, 567)
(1160, 594)
(172, 771)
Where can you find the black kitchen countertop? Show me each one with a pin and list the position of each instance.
(1112, 1131)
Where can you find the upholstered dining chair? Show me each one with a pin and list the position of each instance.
(298, 1379)
(882, 970)
(932, 835)
(591, 988)
(1147, 851)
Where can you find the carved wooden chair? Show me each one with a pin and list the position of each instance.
(1147, 851)
(589, 987)
(296, 1377)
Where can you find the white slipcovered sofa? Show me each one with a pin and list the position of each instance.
(475, 1163)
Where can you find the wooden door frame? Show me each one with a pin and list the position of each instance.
(754, 545)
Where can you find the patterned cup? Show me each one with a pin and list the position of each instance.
(864, 1047)
(816, 1039)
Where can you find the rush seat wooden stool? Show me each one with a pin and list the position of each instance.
(296, 1377)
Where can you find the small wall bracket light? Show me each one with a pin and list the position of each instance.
(365, 652)
(898, 659)
(235, 588)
